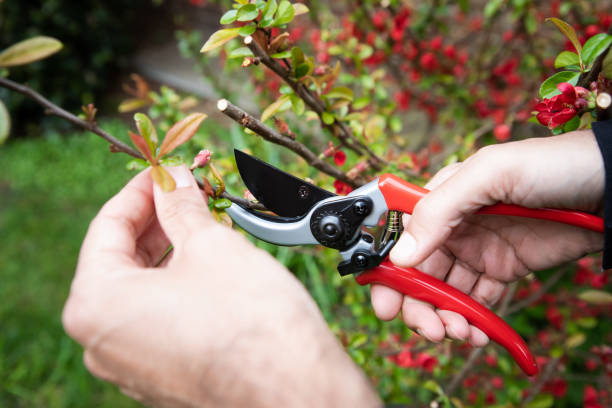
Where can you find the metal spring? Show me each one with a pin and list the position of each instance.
(393, 227)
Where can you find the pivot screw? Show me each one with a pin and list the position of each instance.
(331, 227)
(361, 260)
(361, 207)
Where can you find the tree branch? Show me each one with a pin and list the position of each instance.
(338, 129)
(549, 369)
(53, 109)
(534, 297)
(271, 135)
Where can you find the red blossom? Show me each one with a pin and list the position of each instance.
(403, 99)
(201, 159)
(591, 30)
(502, 132)
(490, 398)
(559, 109)
(589, 397)
(404, 359)
(436, 43)
(379, 19)
(554, 316)
(497, 382)
(400, 22)
(599, 280)
(376, 58)
(426, 361)
(491, 360)
(339, 158)
(557, 387)
(342, 188)
(428, 61)
(450, 51)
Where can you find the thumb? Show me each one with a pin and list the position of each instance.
(456, 193)
(183, 211)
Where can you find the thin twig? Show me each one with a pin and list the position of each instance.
(271, 135)
(549, 369)
(535, 296)
(53, 109)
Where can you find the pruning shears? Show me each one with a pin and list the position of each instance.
(307, 214)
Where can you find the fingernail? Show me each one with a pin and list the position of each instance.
(427, 337)
(452, 333)
(403, 250)
(181, 175)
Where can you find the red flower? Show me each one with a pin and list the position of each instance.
(502, 132)
(400, 22)
(557, 387)
(403, 99)
(490, 398)
(379, 19)
(339, 158)
(201, 159)
(559, 109)
(554, 316)
(436, 43)
(491, 360)
(589, 398)
(450, 51)
(497, 382)
(342, 188)
(404, 359)
(426, 361)
(429, 61)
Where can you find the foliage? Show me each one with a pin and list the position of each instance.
(97, 35)
(404, 88)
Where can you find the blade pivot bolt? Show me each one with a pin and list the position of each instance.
(361, 260)
(303, 192)
(361, 207)
(331, 227)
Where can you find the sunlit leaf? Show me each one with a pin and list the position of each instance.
(267, 14)
(218, 38)
(328, 118)
(606, 67)
(595, 46)
(132, 104)
(566, 58)
(282, 54)
(5, 123)
(568, 31)
(299, 8)
(142, 146)
(302, 70)
(541, 401)
(147, 130)
(247, 29)
(596, 297)
(282, 103)
(229, 17)
(222, 203)
(181, 132)
(240, 52)
(492, 7)
(284, 14)
(163, 179)
(548, 89)
(30, 50)
(374, 127)
(248, 12)
(340, 92)
(575, 340)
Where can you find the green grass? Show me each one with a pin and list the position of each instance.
(50, 188)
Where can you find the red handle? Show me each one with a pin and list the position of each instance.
(416, 284)
(402, 196)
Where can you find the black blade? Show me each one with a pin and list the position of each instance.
(280, 192)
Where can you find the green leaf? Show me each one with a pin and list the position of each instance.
(5, 123)
(302, 70)
(299, 8)
(464, 5)
(531, 24)
(132, 104)
(247, 29)
(30, 50)
(572, 124)
(147, 130)
(566, 58)
(248, 12)
(181, 132)
(595, 46)
(541, 401)
(297, 56)
(492, 7)
(568, 31)
(229, 17)
(222, 203)
(548, 89)
(267, 14)
(341, 92)
(375, 127)
(278, 105)
(596, 297)
(282, 54)
(361, 103)
(240, 52)
(220, 37)
(606, 67)
(284, 14)
(162, 178)
(328, 118)
(297, 104)
(575, 340)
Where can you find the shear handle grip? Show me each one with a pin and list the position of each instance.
(416, 284)
(403, 196)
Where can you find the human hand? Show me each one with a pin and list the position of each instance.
(480, 254)
(219, 322)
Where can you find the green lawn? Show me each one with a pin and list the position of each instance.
(50, 188)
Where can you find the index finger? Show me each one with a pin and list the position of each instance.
(112, 234)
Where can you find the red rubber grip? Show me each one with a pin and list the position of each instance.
(402, 196)
(416, 284)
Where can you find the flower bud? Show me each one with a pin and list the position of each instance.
(201, 159)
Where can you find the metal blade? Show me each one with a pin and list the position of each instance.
(280, 192)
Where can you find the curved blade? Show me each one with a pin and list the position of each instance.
(280, 192)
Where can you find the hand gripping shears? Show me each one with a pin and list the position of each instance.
(307, 214)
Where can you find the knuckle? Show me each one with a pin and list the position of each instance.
(76, 317)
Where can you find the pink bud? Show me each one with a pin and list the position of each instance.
(580, 103)
(201, 159)
(582, 92)
(249, 196)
